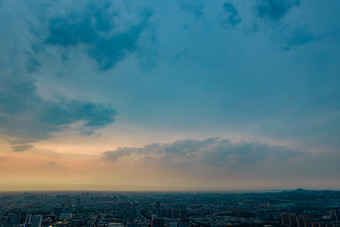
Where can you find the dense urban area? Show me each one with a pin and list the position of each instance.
(298, 208)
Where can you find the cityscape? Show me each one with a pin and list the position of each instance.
(293, 208)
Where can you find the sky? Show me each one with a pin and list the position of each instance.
(169, 95)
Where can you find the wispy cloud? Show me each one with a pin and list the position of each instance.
(21, 148)
(51, 165)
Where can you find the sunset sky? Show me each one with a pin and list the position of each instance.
(169, 95)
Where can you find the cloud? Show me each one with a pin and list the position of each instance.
(119, 153)
(21, 148)
(212, 152)
(52, 165)
(24, 114)
(298, 37)
(97, 29)
(232, 16)
(215, 157)
(275, 9)
(32, 64)
(195, 7)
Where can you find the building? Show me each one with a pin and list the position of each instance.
(36, 221)
(156, 222)
(28, 219)
(157, 209)
(173, 224)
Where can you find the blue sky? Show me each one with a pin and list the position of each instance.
(252, 84)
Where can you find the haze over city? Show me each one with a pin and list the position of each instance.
(184, 95)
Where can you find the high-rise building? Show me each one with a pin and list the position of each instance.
(158, 209)
(28, 219)
(65, 216)
(14, 219)
(175, 213)
(183, 215)
(292, 220)
(303, 221)
(262, 214)
(36, 221)
(183, 224)
(156, 222)
(128, 211)
(285, 219)
(173, 224)
(295, 221)
(335, 213)
(168, 213)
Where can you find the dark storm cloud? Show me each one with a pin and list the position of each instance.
(232, 16)
(96, 28)
(21, 148)
(275, 9)
(25, 114)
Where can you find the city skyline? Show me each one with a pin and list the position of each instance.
(169, 96)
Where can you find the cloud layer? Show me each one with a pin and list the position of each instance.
(275, 9)
(25, 114)
(97, 28)
(263, 70)
(216, 159)
(212, 153)
(232, 16)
